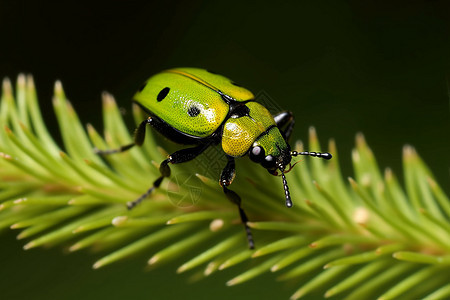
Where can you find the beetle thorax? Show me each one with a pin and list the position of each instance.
(246, 123)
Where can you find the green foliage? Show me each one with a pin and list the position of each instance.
(365, 238)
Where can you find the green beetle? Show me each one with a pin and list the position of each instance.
(197, 107)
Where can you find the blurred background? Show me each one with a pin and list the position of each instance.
(376, 67)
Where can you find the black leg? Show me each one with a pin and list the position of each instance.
(177, 157)
(226, 178)
(285, 122)
(139, 136)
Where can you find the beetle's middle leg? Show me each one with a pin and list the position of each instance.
(177, 157)
(226, 178)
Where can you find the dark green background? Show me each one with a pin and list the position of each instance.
(375, 67)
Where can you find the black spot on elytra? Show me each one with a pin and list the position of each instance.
(162, 94)
(193, 111)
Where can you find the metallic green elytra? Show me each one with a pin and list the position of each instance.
(197, 107)
(192, 104)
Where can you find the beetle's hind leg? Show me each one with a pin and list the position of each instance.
(226, 178)
(139, 136)
(177, 157)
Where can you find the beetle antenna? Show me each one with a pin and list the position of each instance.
(324, 155)
(286, 189)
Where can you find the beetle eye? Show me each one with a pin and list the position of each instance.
(269, 162)
(257, 154)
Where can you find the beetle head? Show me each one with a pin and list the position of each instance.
(271, 161)
(274, 162)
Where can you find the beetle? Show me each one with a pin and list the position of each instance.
(192, 106)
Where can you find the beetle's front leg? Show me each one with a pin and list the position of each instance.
(285, 122)
(226, 178)
(177, 157)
